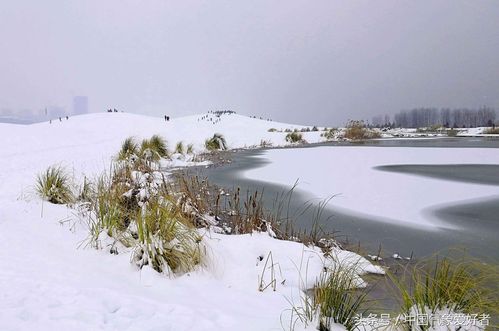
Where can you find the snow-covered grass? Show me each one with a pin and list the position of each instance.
(337, 300)
(53, 185)
(154, 148)
(215, 143)
(442, 288)
(179, 148)
(129, 148)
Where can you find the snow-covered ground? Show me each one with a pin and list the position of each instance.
(47, 283)
(348, 173)
(49, 280)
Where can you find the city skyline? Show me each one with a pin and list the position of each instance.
(78, 105)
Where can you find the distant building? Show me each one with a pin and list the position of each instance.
(80, 105)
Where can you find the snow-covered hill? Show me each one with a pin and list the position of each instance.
(86, 143)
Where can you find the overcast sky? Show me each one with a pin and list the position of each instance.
(313, 62)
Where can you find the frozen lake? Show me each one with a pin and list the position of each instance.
(419, 196)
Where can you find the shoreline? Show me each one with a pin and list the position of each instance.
(351, 226)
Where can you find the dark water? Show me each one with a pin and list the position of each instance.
(485, 174)
(479, 221)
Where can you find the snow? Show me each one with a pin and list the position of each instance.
(84, 144)
(348, 174)
(476, 132)
(51, 280)
(48, 283)
(413, 133)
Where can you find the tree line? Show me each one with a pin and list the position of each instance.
(446, 117)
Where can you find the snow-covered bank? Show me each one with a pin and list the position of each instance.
(440, 132)
(348, 174)
(47, 283)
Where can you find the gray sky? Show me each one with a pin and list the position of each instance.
(314, 62)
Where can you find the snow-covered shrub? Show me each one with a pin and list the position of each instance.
(265, 143)
(294, 137)
(111, 205)
(190, 149)
(492, 131)
(166, 240)
(128, 149)
(138, 210)
(272, 130)
(153, 149)
(179, 148)
(330, 134)
(452, 133)
(217, 142)
(143, 158)
(158, 144)
(114, 208)
(54, 186)
(357, 130)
